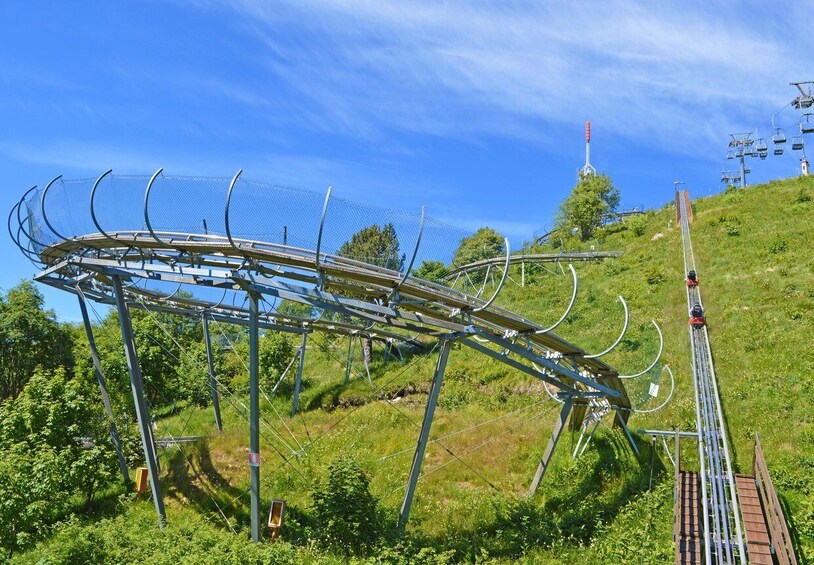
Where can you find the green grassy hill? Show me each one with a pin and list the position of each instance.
(753, 249)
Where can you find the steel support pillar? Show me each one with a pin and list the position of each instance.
(100, 377)
(137, 386)
(424, 435)
(622, 423)
(213, 382)
(254, 414)
(552, 443)
(350, 358)
(298, 383)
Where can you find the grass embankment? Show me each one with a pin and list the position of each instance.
(752, 248)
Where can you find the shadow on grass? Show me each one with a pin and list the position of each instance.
(574, 513)
(194, 478)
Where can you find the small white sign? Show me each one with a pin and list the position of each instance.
(654, 390)
(254, 459)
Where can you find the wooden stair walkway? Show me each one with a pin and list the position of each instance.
(758, 543)
(688, 520)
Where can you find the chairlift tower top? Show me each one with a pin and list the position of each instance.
(742, 143)
(588, 170)
(806, 98)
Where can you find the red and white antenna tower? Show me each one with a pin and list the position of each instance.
(588, 169)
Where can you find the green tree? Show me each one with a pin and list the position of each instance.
(275, 352)
(434, 271)
(591, 201)
(164, 343)
(30, 337)
(485, 243)
(377, 246)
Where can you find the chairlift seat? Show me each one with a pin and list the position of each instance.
(797, 143)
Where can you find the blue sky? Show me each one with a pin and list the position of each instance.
(474, 110)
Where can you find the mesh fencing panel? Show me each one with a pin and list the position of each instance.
(258, 211)
(65, 205)
(370, 234)
(119, 203)
(275, 214)
(193, 205)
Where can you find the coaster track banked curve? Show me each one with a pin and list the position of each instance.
(355, 297)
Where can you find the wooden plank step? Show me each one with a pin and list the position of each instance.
(758, 542)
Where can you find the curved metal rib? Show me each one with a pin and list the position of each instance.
(93, 209)
(621, 335)
(415, 253)
(656, 360)
(15, 211)
(502, 279)
(44, 213)
(20, 220)
(666, 400)
(228, 203)
(321, 227)
(147, 203)
(570, 304)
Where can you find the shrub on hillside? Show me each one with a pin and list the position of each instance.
(778, 246)
(347, 514)
(654, 275)
(638, 225)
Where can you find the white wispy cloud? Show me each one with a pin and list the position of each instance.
(679, 74)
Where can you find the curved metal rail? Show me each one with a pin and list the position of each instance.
(533, 258)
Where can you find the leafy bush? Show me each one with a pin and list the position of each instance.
(347, 514)
(42, 463)
(638, 225)
(654, 275)
(778, 246)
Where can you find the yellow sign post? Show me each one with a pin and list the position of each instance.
(276, 517)
(141, 481)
